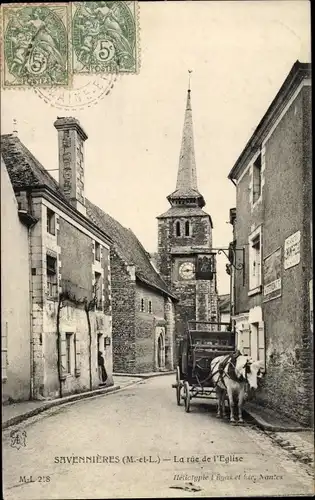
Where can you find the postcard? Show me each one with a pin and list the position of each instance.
(156, 249)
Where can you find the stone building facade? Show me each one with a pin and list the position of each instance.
(143, 306)
(68, 259)
(272, 297)
(185, 242)
(84, 284)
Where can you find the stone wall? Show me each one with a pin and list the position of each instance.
(146, 322)
(66, 320)
(284, 210)
(123, 289)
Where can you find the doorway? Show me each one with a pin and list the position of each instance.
(161, 350)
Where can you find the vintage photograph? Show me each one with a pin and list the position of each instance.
(156, 249)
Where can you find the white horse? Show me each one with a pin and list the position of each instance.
(231, 374)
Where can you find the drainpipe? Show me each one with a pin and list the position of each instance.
(31, 314)
(30, 221)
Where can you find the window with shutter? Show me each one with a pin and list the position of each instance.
(51, 222)
(246, 341)
(98, 290)
(51, 269)
(68, 352)
(255, 260)
(257, 170)
(77, 355)
(63, 357)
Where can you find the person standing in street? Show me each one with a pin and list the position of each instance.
(101, 366)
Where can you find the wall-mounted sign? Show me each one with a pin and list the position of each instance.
(205, 268)
(292, 250)
(272, 276)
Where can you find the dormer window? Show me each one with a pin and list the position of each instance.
(177, 228)
(187, 228)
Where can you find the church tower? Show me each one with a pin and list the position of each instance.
(185, 259)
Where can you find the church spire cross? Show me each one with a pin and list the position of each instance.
(189, 76)
(186, 185)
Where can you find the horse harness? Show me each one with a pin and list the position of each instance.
(230, 361)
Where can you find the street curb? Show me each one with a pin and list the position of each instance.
(68, 399)
(262, 424)
(57, 402)
(144, 375)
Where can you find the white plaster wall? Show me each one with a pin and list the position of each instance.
(224, 318)
(15, 299)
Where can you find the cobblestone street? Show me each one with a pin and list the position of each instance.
(138, 442)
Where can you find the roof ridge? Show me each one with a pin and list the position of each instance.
(37, 162)
(130, 249)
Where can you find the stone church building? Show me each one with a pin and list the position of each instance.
(185, 258)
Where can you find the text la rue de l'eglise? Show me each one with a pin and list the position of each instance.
(145, 459)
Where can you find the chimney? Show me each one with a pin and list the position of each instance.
(71, 137)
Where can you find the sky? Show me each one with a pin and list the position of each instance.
(240, 53)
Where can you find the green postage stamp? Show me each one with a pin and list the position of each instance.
(35, 44)
(45, 44)
(105, 37)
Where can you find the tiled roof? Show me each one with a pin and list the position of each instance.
(26, 171)
(129, 247)
(297, 74)
(23, 168)
(224, 302)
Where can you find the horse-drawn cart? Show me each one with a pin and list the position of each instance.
(203, 342)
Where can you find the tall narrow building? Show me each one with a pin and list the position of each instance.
(185, 258)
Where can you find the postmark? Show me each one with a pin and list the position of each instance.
(35, 45)
(86, 91)
(105, 37)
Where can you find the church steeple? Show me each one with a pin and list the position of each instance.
(186, 192)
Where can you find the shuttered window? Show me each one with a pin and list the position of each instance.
(51, 268)
(51, 221)
(77, 355)
(257, 171)
(255, 260)
(98, 290)
(68, 352)
(97, 251)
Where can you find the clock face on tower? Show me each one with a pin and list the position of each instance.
(187, 270)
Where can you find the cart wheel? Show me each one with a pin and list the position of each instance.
(186, 396)
(178, 386)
